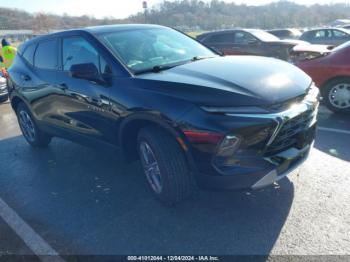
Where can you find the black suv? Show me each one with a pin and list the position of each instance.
(192, 116)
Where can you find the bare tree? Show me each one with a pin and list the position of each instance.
(42, 23)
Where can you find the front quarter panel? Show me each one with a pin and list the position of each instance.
(132, 98)
(130, 95)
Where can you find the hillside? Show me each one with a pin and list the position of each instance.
(191, 14)
(218, 14)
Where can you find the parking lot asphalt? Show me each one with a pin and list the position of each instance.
(10, 243)
(82, 200)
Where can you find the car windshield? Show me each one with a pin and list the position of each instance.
(264, 36)
(146, 49)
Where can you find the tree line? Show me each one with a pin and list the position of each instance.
(191, 14)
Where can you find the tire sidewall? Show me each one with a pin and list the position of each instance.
(174, 171)
(164, 179)
(23, 107)
(326, 91)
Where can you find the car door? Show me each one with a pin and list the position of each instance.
(84, 106)
(39, 78)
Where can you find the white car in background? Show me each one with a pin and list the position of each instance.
(3, 89)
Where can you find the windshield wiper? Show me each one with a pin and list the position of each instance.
(196, 58)
(158, 68)
(154, 69)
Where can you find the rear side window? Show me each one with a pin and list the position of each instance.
(46, 55)
(283, 34)
(29, 54)
(279, 33)
(308, 35)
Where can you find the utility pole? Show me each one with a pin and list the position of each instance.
(144, 5)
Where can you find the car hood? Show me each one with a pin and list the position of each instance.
(231, 81)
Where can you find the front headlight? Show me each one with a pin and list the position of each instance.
(2, 80)
(313, 95)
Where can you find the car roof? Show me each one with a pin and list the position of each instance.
(226, 31)
(229, 30)
(293, 30)
(329, 28)
(119, 27)
(275, 30)
(95, 30)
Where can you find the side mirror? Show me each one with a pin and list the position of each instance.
(86, 71)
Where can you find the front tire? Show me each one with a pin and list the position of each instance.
(30, 130)
(3, 99)
(165, 165)
(336, 95)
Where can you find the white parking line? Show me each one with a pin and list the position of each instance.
(35, 242)
(341, 131)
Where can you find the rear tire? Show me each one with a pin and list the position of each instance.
(30, 130)
(336, 95)
(165, 165)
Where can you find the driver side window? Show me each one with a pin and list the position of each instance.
(244, 38)
(76, 50)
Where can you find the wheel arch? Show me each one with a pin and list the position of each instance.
(131, 126)
(15, 101)
(324, 84)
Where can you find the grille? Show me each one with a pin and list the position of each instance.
(290, 133)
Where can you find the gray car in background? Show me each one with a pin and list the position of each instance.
(249, 42)
(326, 36)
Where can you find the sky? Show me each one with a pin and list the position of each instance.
(112, 8)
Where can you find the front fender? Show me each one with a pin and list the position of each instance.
(131, 125)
